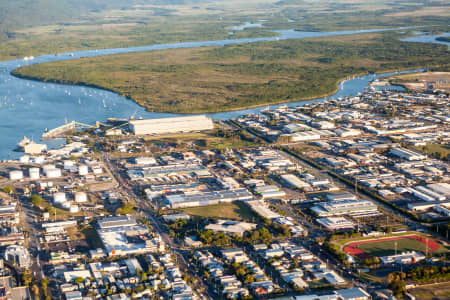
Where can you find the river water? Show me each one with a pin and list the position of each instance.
(27, 107)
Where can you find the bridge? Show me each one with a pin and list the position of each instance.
(58, 131)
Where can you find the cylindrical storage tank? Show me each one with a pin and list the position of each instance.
(74, 209)
(53, 173)
(83, 170)
(24, 159)
(80, 197)
(59, 197)
(65, 205)
(68, 164)
(34, 173)
(16, 175)
(97, 170)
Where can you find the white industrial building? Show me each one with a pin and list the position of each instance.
(409, 257)
(33, 148)
(207, 198)
(171, 125)
(294, 181)
(344, 207)
(34, 173)
(336, 223)
(232, 227)
(16, 175)
(407, 154)
(80, 197)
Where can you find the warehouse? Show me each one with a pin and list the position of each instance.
(171, 125)
(409, 257)
(336, 223)
(207, 198)
(349, 207)
(440, 188)
(422, 206)
(294, 181)
(407, 154)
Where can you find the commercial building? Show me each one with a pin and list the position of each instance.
(336, 223)
(9, 214)
(344, 207)
(294, 181)
(18, 255)
(171, 125)
(353, 294)
(421, 206)
(176, 169)
(123, 236)
(233, 227)
(407, 154)
(207, 198)
(409, 257)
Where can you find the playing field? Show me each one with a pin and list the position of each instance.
(387, 246)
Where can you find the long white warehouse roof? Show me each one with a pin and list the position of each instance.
(171, 125)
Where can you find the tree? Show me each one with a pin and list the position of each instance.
(78, 280)
(38, 201)
(144, 276)
(7, 189)
(27, 277)
(44, 285)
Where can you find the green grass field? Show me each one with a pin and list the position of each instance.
(384, 248)
(233, 211)
(436, 150)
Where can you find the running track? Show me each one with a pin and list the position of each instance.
(353, 250)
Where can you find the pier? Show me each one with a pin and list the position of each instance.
(58, 131)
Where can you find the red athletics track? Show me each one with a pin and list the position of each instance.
(353, 250)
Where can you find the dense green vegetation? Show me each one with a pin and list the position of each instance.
(34, 27)
(420, 274)
(244, 75)
(443, 39)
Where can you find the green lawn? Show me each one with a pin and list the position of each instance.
(234, 211)
(384, 248)
(436, 150)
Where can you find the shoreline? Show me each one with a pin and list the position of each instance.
(316, 97)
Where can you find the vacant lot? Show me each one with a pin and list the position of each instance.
(432, 292)
(422, 81)
(234, 211)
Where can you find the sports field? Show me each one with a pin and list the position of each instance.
(387, 246)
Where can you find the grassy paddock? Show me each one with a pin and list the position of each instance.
(234, 210)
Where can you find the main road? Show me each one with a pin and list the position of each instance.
(146, 211)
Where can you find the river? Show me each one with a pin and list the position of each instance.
(27, 107)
